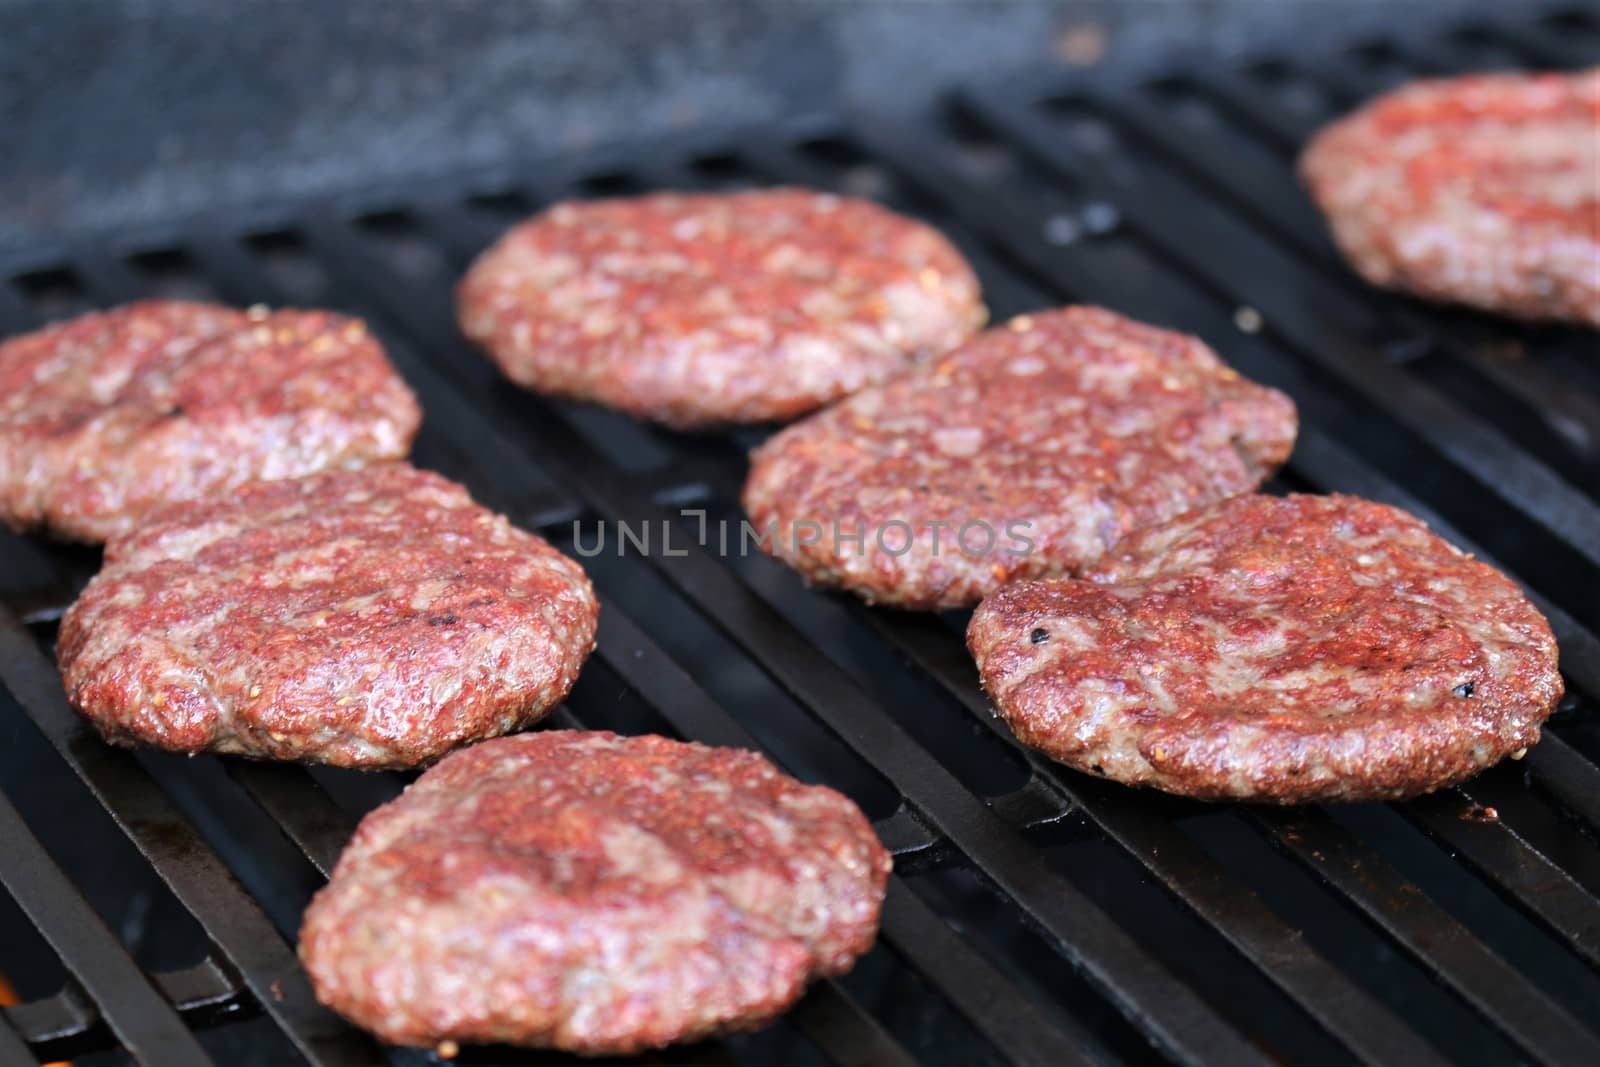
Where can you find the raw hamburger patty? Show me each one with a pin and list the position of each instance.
(704, 309)
(1027, 451)
(593, 893)
(373, 618)
(1482, 190)
(109, 415)
(1282, 649)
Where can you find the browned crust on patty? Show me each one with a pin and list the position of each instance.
(111, 414)
(1293, 649)
(593, 893)
(699, 309)
(1057, 433)
(1481, 190)
(372, 618)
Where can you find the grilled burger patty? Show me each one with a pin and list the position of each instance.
(1292, 649)
(593, 893)
(111, 414)
(1027, 451)
(728, 308)
(1482, 190)
(371, 618)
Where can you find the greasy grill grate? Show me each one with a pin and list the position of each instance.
(1037, 916)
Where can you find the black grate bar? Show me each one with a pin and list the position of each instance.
(1568, 775)
(989, 1000)
(1510, 796)
(58, 1025)
(1433, 937)
(53, 1022)
(13, 1049)
(1276, 196)
(1319, 324)
(1362, 1023)
(303, 810)
(203, 993)
(1144, 990)
(1425, 58)
(311, 820)
(1531, 880)
(836, 1023)
(137, 1014)
(1248, 100)
(194, 873)
(828, 1016)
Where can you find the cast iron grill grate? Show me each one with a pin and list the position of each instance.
(1037, 916)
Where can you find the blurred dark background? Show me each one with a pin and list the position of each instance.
(112, 111)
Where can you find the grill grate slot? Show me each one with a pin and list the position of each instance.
(1529, 877)
(136, 1013)
(1232, 909)
(194, 873)
(1434, 938)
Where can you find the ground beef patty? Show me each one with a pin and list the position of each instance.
(372, 618)
(593, 893)
(109, 415)
(729, 308)
(1280, 649)
(1027, 451)
(1483, 190)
